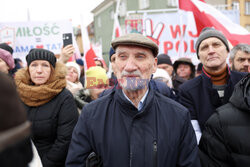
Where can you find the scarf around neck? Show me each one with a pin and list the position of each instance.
(33, 95)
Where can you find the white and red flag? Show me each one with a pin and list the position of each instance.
(89, 54)
(207, 16)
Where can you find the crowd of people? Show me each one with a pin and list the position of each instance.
(149, 112)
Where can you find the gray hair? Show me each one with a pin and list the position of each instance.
(242, 47)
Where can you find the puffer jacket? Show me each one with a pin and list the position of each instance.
(52, 126)
(225, 140)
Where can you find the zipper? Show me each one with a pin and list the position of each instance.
(155, 153)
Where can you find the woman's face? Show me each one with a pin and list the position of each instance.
(72, 74)
(39, 71)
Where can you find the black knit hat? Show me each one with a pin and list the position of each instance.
(208, 32)
(6, 47)
(164, 59)
(41, 54)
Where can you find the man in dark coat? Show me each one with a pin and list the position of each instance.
(135, 125)
(225, 140)
(213, 88)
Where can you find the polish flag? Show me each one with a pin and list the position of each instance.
(207, 16)
(89, 54)
(117, 28)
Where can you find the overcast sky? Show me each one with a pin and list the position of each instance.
(47, 10)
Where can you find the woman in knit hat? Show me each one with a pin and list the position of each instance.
(6, 61)
(73, 77)
(49, 105)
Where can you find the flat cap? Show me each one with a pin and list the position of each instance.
(136, 39)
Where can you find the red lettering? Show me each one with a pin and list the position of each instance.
(192, 35)
(192, 50)
(167, 45)
(184, 29)
(177, 46)
(176, 31)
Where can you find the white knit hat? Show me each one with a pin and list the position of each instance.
(160, 73)
(73, 64)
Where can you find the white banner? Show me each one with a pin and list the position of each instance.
(175, 33)
(23, 36)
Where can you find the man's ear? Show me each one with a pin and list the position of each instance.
(230, 63)
(155, 65)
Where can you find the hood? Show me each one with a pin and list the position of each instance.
(241, 95)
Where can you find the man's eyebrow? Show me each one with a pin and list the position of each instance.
(120, 52)
(141, 53)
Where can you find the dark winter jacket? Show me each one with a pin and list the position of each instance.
(225, 140)
(52, 126)
(160, 134)
(201, 99)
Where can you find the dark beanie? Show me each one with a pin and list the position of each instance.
(208, 32)
(164, 59)
(111, 52)
(6, 47)
(41, 54)
(79, 62)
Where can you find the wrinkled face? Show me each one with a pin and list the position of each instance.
(39, 71)
(184, 71)
(213, 54)
(4, 67)
(241, 61)
(72, 74)
(134, 66)
(166, 67)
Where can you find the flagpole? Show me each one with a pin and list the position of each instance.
(181, 49)
(114, 32)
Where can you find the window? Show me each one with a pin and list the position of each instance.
(123, 9)
(111, 13)
(99, 23)
(235, 6)
(143, 4)
(247, 8)
(172, 3)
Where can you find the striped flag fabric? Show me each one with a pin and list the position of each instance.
(207, 16)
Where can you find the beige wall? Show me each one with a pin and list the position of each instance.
(244, 19)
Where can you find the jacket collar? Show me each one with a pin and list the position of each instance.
(207, 77)
(129, 108)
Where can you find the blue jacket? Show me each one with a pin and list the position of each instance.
(160, 134)
(201, 99)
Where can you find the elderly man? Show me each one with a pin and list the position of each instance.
(240, 58)
(213, 88)
(134, 126)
